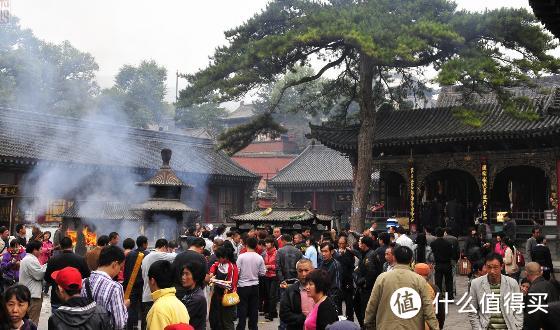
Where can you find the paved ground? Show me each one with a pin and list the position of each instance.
(454, 320)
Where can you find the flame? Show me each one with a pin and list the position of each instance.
(89, 236)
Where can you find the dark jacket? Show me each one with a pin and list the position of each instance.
(442, 250)
(64, 259)
(541, 254)
(334, 269)
(346, 260)
(82, 314)
(290, 308)
(195, 302)
(326, 314)
(552, 318)
(454, 246)
(129, 262)
(368, 270)
(538, 319)
(286, 259)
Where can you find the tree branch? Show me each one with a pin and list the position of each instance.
(307, 79)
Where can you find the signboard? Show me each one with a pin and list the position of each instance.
(344, 197)
(484, 186)
(411, 189)
(8, 190)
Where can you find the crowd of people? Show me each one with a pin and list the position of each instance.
(307, 280)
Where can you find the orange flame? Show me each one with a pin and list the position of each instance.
(89, 236)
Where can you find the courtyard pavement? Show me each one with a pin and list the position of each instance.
(454, 320)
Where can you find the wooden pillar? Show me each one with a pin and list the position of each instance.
(484, 188)
(314, 200)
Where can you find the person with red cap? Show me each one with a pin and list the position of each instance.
(76, 312)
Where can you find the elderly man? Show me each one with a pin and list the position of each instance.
(481, 291)
(296, 304)
(379, 313)
(538, 286)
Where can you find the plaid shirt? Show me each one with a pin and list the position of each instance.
(109, 294)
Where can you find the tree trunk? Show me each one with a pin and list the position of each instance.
(362, 180)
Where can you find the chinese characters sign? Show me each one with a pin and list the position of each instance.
(7, 190)
(411, 188)
(484, 186)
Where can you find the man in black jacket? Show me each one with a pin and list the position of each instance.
(66, 258)
(136, 310)
(333, 268)
(293, 310)
(541, 255)
(539, 285)
(368, 270)
(286, 258)
(78, 312)
(443, 255)
(346, 258)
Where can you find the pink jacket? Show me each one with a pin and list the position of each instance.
(500, 249)
(46, 253)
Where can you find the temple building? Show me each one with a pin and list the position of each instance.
(47, 163)
(462, 163)
(319, 175)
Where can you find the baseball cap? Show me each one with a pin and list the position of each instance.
(179, 326)
(69, 278)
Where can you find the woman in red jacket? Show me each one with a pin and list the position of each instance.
(225, 269)
(270, 281)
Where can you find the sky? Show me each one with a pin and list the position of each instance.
(178, 34)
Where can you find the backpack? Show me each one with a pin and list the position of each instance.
(519, 258)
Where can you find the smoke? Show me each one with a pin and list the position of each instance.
(96, 159)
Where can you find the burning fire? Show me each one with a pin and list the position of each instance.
(89, 236)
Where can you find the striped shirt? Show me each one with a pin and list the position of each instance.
(496, 319)
(109, 294)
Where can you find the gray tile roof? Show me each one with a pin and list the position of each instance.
(317, 165)
(163, 205)
(442, 125)
(36, 136)
(101, 210)
(243, 111)
(281, 215)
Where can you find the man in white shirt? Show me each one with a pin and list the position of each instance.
(31, 274)
(404, 240)
(160, 253)
(251, 266)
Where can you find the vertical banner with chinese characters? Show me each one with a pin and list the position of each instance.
(5, 13)
(484, 188)
(411, 189)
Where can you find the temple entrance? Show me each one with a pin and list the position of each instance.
(393, 192)
(449, 198)
(520, 189)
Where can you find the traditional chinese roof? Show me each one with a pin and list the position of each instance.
(548, 11)
(101, 210)
(281, 215)
(444, 125)
(244, 111)
(163, 205)
(30, 137)
(165, 176)
(316, 166)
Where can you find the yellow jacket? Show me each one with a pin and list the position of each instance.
(167, 309)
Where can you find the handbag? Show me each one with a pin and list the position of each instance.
(230, 299)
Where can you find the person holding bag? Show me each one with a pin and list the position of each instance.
(225, 276)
